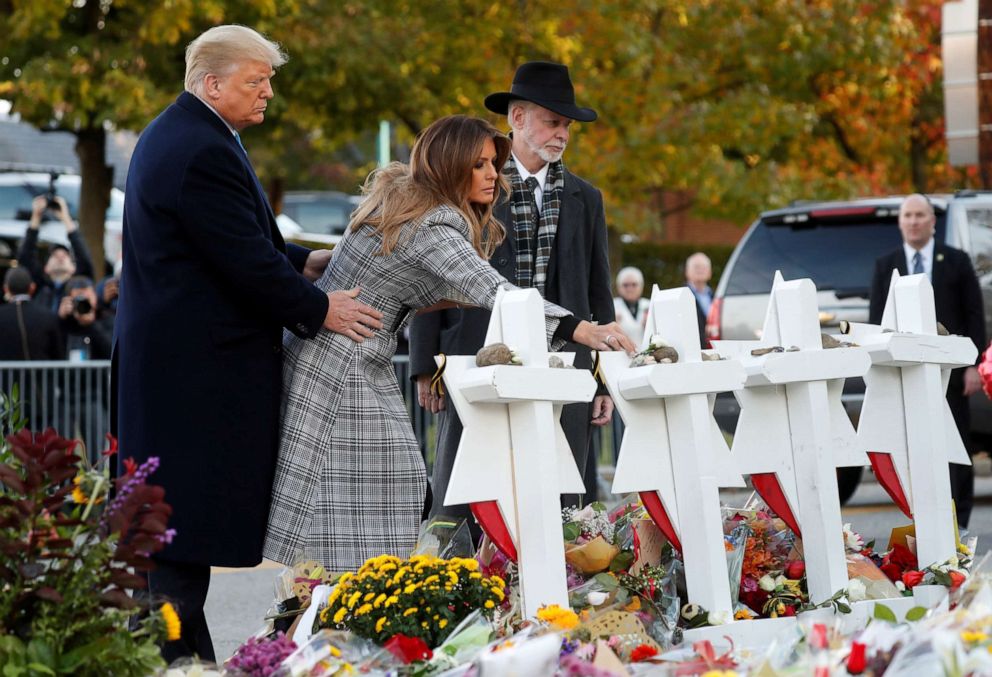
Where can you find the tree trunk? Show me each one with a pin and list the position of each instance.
(985, 92)
(94, 192)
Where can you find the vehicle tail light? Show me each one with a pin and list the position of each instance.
(713, 320)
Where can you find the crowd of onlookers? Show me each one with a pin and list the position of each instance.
(55, 310)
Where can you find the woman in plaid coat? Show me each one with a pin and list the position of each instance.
(350, 481)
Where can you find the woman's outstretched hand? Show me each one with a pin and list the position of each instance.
(603, 337)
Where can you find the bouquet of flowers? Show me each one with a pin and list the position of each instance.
(422, 598)
(70, 556)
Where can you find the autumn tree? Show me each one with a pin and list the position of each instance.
(91, 66)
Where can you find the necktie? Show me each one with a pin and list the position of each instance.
(531, 183)
(237, 137)
(917, 263)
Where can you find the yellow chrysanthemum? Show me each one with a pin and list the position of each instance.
(173, 627)
(379, 600)
(411, 588)
(442, 623)
(971, 636)
(339, 616)
(489, 604)
(391, 600)
(498, 593)
(353, 600)
(557, 617)
(379, 624)
(409, 612)
(469, 564)
(336, 652)
(364, 609)
(499, 581)
(743, 615)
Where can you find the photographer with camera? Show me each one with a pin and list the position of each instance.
(84, 327)
(62, 263)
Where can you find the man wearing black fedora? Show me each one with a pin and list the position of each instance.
(555, 242)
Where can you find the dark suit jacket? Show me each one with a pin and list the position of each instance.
(205, 291)
(957, 296)
(578, 280)
(41, 333)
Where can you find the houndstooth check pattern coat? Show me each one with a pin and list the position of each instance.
(350, 481)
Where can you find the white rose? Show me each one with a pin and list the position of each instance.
(766, 583)
(780, 580)
(718, 617)
(900, 586)
(597, 598)
(856, 590)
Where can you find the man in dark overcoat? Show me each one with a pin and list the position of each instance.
(555, 242)
(958, 302)
(207, 286)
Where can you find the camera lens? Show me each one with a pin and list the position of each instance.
(81, 305)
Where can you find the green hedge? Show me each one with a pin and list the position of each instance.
(663, 264)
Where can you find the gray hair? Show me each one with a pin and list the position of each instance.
(518, 103)
(630, 271)
(219, 50)
(699, 256)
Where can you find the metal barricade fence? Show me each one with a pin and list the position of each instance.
(72, 397)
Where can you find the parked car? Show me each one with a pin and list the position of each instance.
(836, 244)
(18, 189)
(322, 216)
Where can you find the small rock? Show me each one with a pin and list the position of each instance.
(711, 357)
(494, 354)
(792, 349)
(665, 353)
(828, 341)
(942, 330)
(758, 352)
(555, 362)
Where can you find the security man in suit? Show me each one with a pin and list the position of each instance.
(958, 301)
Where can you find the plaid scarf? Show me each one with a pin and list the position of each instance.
(535, 232)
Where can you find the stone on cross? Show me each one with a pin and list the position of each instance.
(793, 432)
(906, 423)
(513, 461)
(673, 454)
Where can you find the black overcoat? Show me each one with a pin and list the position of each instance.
(206, 287)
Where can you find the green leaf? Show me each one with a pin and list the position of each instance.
(570, 531)
(884, 613)
(623, 596)
(598, 507)
(843, 608)
(608, 582)
(622, 561)
(916, 613)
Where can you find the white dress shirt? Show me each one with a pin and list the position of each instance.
(926, 254)
(541, 175)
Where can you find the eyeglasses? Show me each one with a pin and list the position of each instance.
(629, 284)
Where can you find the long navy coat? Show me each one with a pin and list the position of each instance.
(206, 288)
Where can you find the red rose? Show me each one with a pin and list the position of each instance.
(912, 578)
(795, 569)
(789, 610)
(957, 578)
(856, 662)
(642, 653)
(408, 649)
(903, 557)
(892, 571)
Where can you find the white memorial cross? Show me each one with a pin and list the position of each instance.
(513, 450)
(673, 453)
(906, 423)
(792, 425)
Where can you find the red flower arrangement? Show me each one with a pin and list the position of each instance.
(642, 652)
(408, 649)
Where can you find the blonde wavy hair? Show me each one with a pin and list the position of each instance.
(439, 173)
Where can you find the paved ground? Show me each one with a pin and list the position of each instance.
(239, 598)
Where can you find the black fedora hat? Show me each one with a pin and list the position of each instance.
(546, 84)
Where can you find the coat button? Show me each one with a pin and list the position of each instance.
(277, 349)
(502, 261)
(301, 327)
